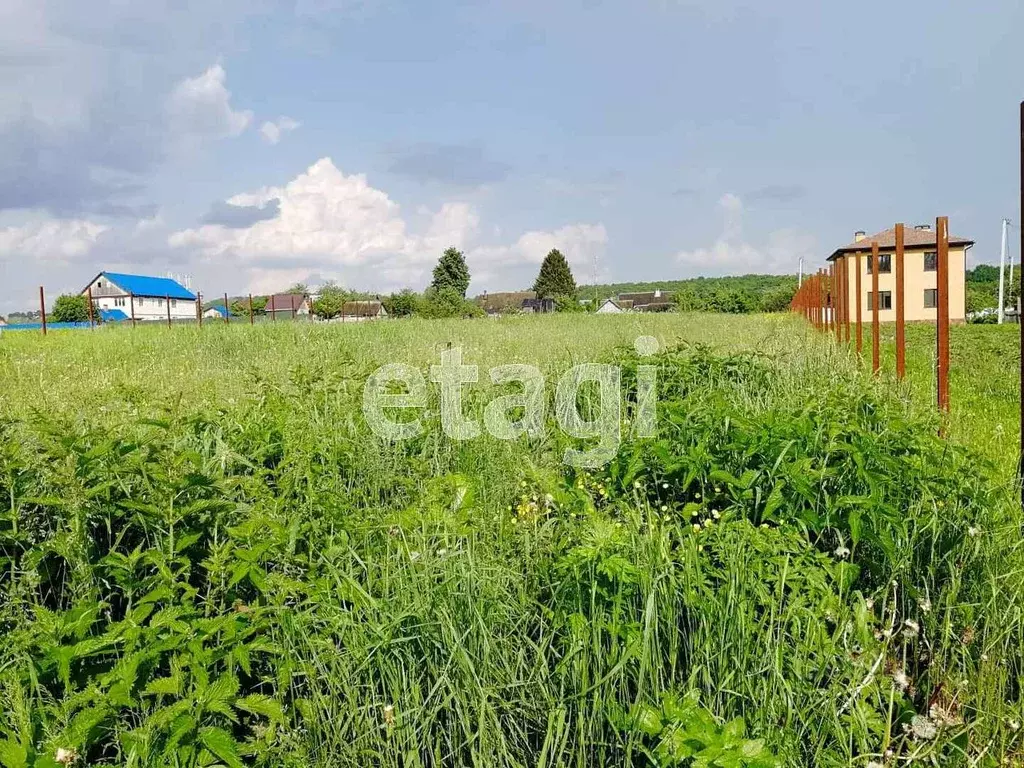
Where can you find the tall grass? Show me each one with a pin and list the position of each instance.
(207, 558)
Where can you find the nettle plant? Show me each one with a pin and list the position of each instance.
(141, 606)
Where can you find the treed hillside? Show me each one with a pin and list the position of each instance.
(741, 293)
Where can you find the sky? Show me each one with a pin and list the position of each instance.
(253, 144)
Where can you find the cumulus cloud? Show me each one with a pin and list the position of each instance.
(200, 108)
(272, 131)
(49, 239)
(339, 226)
(731, 253)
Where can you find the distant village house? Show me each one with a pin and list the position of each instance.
(360, 311)
(140, 297)
(287, 305)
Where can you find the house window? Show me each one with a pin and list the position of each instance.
(140, 301)
(884, 263)
(885, 300)
(174, 302)
(931, 264)
(118, 302)
(931, 296)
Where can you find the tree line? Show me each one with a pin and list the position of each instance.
(446, 294)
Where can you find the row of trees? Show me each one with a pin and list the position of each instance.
(446, 294)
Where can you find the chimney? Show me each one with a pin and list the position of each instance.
(859, 235)
(923, 227)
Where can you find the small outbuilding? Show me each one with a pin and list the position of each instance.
(610, 307)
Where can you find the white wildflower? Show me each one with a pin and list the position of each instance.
(665, 486)
(65, 756)
(973, 531)
(389, 714)
(842, 551)
(924, 604)
(664, 508)
(923, 728)
(1014, 725)
(901, 680)
(984, 657)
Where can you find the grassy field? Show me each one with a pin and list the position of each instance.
(207, 558)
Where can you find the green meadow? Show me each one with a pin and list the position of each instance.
(207, 557)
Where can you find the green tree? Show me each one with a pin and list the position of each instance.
(402, 304)
(555, 278)
(70, 308)
(331, 301)
(451, 273)
(447, 302)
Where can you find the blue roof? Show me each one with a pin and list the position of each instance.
(220, 309)
(156, 287)
(112, 315)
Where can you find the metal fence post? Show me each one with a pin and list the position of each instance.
(860, 301)
(251, 320)
(168, 300)
(942, 327)
(89, 298)
(227, 310)
(875, 339)
(901, 309)
(131, 301)
(42, 308)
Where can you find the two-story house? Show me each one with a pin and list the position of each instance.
(920, 270)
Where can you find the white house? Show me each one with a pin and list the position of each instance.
(142, 298)
(610, 307)
(216, 312)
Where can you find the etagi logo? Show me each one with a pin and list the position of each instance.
(604, 422)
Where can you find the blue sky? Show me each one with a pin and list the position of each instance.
(255, 144)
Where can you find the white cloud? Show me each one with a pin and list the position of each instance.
(332, 225)
(49, 239)
(732, 254)
(272, 131)
(200, 108)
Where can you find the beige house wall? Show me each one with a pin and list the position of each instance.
(916, 281)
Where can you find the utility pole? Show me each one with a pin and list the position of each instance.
(1002, 273)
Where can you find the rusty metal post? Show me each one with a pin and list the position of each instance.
(251, 320)
(901, 309)
(227, 310)
(942, 326)
(846, 297)
(875, 340)
(131, 301)
(199, 308)
(42, 308)
(89, 297)
(273, 314)
(168, 300)
(860, 301)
